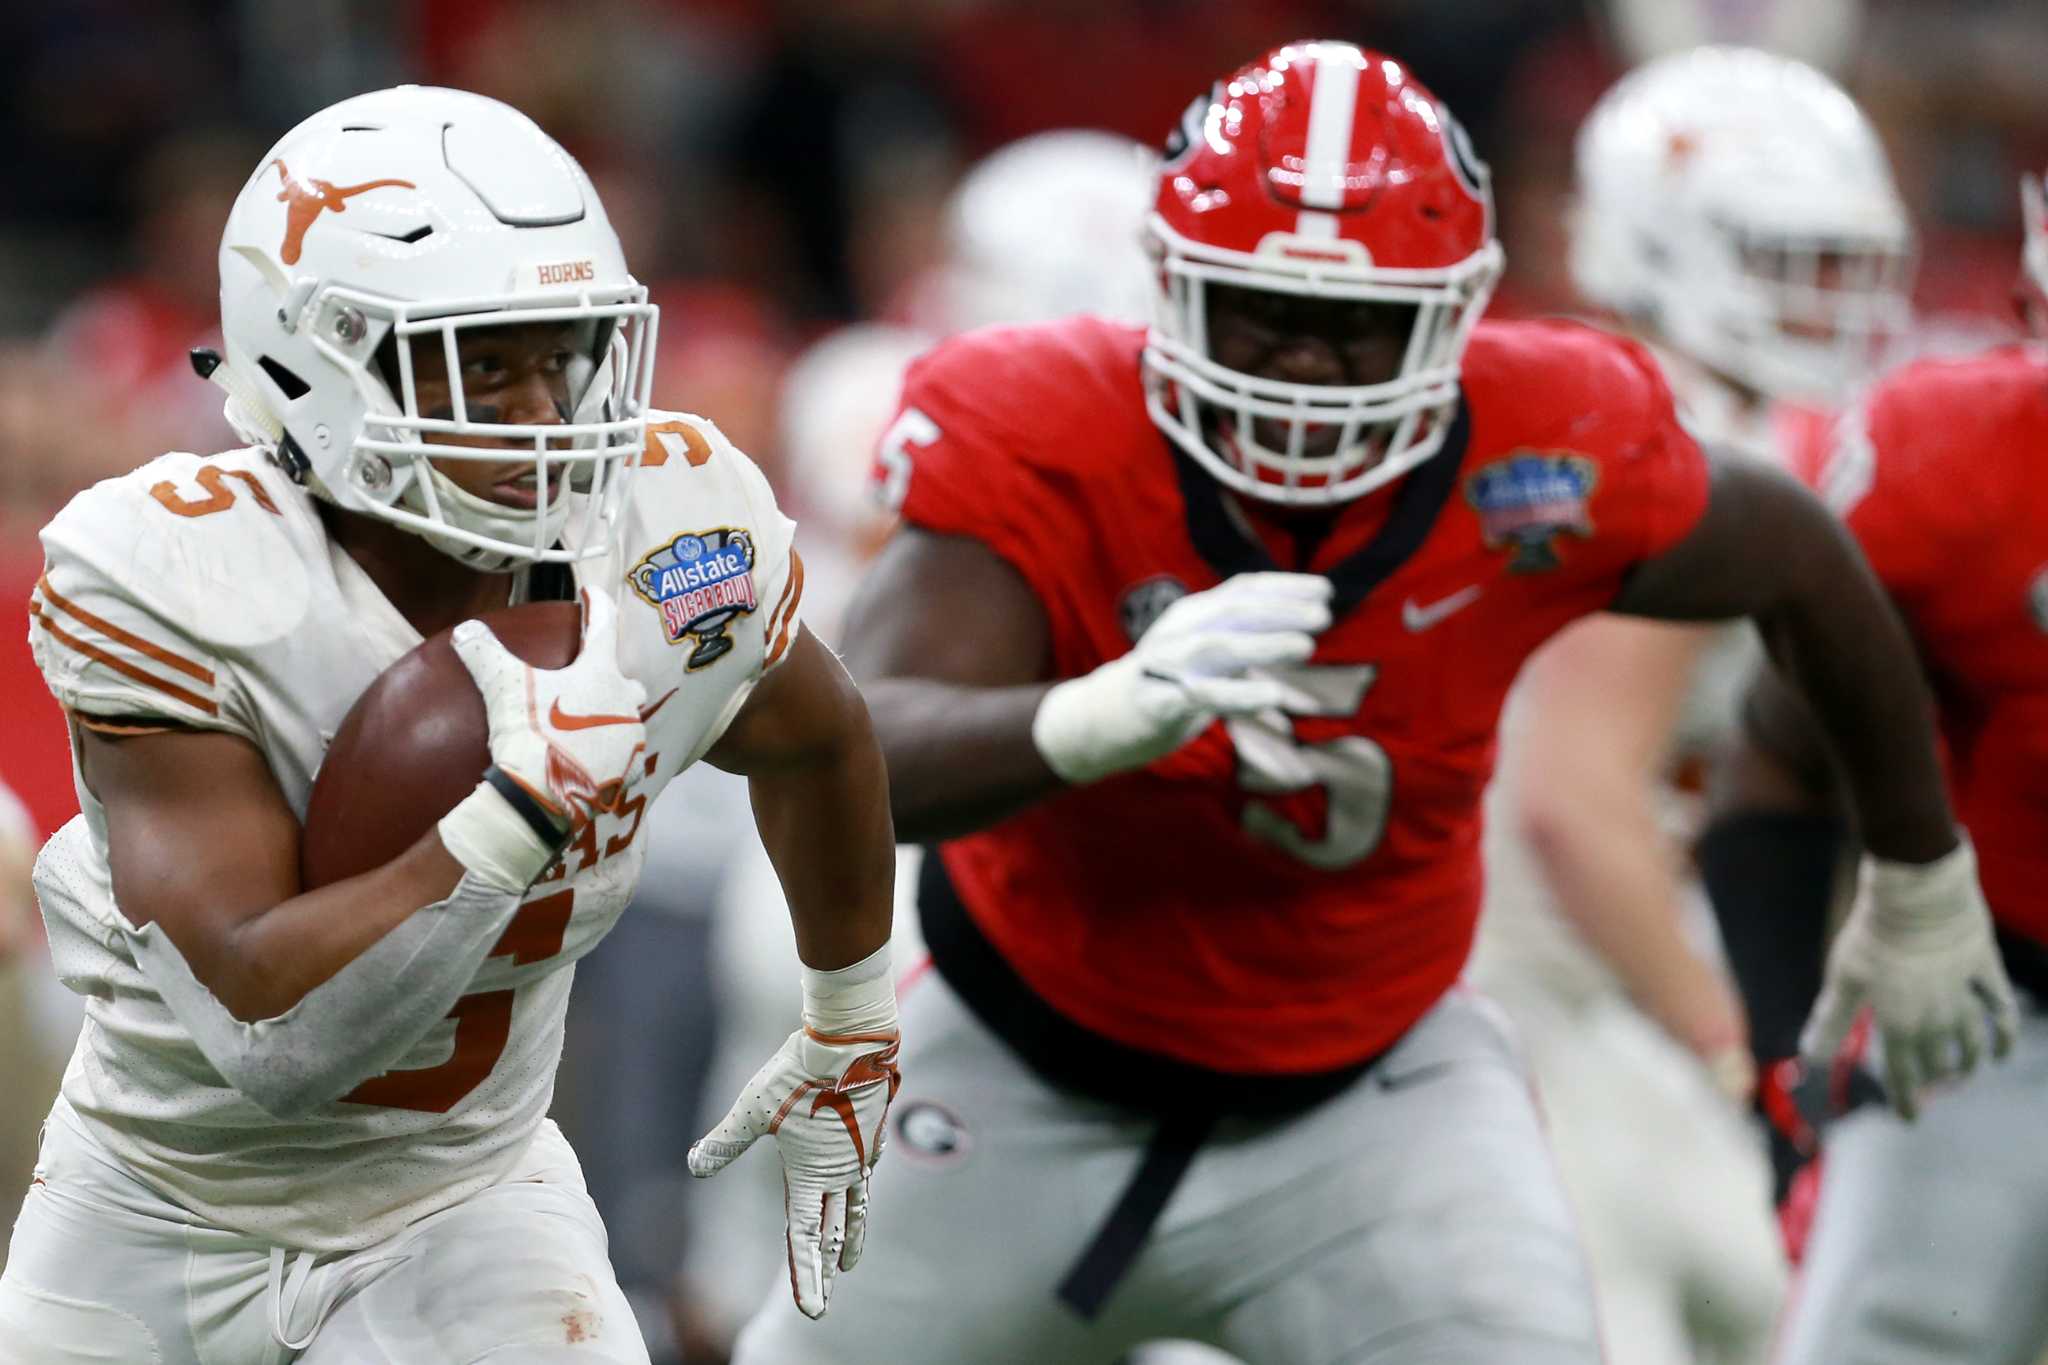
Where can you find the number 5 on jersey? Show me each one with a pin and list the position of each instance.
(1353, 771)
(892, 455)
(483, 1022)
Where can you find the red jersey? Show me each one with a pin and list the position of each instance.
(1285, 895)
(1940, 474)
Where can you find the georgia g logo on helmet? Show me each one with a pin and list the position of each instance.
(1187, 134)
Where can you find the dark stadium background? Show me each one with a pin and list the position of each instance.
(778, 168)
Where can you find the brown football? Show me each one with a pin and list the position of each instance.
(414, 744)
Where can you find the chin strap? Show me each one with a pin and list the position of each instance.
(245, 410)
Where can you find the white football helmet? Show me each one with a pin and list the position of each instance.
(417, 213)
(836, 402)
(1740, 205)
(2034, 250)
(1048, 226)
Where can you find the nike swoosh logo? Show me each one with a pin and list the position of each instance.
(562, 720)
(647, 712)
(1420, 618)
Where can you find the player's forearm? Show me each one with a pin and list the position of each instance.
(269, 962)
(960, 757)
(358, 1022)
(1614, 877)
(824, 819)
(1838, 638)
(1768, 550)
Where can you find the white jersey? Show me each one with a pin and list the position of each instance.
(204, 592)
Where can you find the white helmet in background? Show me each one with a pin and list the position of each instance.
(1740, 205)
(416, 214)
(837, 399)
(1821, 33)
(2034, 251)
(1050, 226)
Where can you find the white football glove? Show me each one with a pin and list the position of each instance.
(1195, 663)
(824, 1097)
(1918, 949)
(566, 743)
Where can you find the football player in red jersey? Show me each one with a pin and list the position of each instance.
(1934, 1232)
(1189, 658)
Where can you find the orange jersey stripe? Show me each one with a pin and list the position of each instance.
(792, 593)
(789, 584)
(122, 666)
(135, 642)
(99, 725)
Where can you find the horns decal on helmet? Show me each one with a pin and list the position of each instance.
(307, 199)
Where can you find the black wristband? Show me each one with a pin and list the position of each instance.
(537, 819)
(1771, 878)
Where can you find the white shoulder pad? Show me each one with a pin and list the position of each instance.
(696, 487)
(153, 582)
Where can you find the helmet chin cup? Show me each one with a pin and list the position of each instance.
(478, 526)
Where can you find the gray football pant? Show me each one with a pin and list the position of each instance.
(1414, 1218)
(1930, 1245)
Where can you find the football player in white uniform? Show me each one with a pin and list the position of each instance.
(310, 1124)
(1736, 209)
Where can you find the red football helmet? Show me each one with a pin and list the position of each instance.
(1321, 169)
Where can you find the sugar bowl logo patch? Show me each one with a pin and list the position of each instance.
(1528, 500)
(700, 582)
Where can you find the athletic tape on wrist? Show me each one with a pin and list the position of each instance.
(1915, 894)
(486, 833)
(853, 999)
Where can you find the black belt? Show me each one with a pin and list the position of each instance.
(2026, 962)
(1187, 1100)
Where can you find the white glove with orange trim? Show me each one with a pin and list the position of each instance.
(565, 744)
(824, 1097)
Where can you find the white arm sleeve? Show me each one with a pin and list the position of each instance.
(352, 1026)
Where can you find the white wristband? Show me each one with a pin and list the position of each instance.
(492, 840)
(1093, 726)
(851, 1000)
(1912, 896)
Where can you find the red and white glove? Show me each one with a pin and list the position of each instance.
(1918, 949)
(1198, 661)
(566, 743)
(824, 1098)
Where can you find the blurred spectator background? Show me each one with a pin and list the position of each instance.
(780, 170)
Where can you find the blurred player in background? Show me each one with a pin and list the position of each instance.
(309, 1123)
(1735, 211)
(1189, 655)
(1044, 227)
(26, 1074)
(1929, 1242)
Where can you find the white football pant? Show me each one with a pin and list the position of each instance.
(104, 1269)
